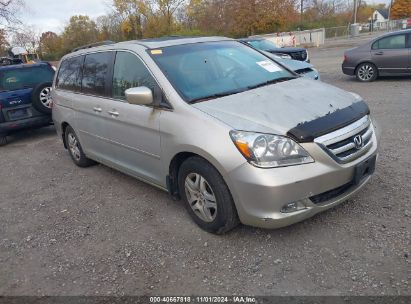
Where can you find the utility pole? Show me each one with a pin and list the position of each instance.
(301, 12)
(355, 11)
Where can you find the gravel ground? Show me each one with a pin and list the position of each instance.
(71, 231)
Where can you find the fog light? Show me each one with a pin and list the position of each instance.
(293, 207)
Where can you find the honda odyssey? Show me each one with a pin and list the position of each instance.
(234, 134)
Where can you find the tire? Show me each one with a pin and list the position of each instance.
(366, 72)
(41, 98)
(3, 140)
(75, 149)
(218, 216)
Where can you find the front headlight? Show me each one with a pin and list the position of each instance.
(269, 151)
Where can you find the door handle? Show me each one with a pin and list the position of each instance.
(379, 53)
(97, 109)
(113, 113)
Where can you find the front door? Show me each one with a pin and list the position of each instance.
(133, 130)
(391, 54)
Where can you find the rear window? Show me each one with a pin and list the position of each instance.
(392, 42)
(27, 77)
(69, 76)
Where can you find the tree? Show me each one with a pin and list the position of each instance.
(401, 9)
(4, 45)
(81, 30)
(9, 10)
(50, 46)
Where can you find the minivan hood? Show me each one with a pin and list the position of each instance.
(280, 107)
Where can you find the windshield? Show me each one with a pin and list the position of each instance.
(263, 44)
(214, 69)
(20, 78)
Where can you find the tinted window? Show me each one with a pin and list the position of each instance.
(392, 42)
(263, 44)
(211, 69)
(95, 72)
(69, 76)
(130, 72)
(25, 77)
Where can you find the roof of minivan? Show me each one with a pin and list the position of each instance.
(153, 43)
(174, 40)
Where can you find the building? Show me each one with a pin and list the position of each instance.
(380, 18)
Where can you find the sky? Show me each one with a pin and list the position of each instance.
(53, 15)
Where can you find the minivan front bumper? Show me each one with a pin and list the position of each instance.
(261, 194)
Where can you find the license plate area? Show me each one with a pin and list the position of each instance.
(364, 169)
(18, 114)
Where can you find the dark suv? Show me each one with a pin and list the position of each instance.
(262, 44)
(25, 100)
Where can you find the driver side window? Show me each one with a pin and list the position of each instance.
(130, 72)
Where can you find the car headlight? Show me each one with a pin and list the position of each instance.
(285, 56)
(269, 151)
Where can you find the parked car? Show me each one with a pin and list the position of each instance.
(387, 55)
(25, 100)
(262, 44)
(302, 68)
(236, 136)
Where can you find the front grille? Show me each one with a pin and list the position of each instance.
(304, 71)
(300, 55)
(341, 144)
(331, 194)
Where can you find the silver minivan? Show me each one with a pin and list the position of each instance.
(233, 133)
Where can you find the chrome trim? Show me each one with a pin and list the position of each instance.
(341, 134)
(344, 133)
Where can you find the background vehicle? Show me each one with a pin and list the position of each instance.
(20, 53)
(302, 68)
(387, 55)
(25, 100)
(262, 44)
(234, 134)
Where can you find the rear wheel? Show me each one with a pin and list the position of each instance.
(41, 97)
(75, 149)
(207, 197)
(3, 140)
(366, 72)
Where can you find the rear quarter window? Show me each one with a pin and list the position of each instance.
(27, 77)
(69, 75)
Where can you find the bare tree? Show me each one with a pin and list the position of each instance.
(9, 12)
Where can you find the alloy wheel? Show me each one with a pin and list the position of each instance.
(366, 72)
(201, 197)
(74, 146)
(45, 97)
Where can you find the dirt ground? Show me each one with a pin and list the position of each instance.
(71, 231)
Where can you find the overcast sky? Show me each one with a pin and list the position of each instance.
(53, 15)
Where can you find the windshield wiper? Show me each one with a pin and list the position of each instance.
(217, 95)
(281, 79)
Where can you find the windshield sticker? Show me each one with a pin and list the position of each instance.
(156, 52)
(269, 66)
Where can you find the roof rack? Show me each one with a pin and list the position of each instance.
(87, 46)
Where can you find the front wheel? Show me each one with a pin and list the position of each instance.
(206, 196)
(75, 149)
(366, 72)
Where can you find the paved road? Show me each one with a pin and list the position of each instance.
(71, 231)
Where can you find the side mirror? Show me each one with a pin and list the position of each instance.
(139, 96)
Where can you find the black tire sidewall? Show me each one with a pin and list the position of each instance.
(3, 140)
(372, 78)
(226, 218)
(35, 98)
